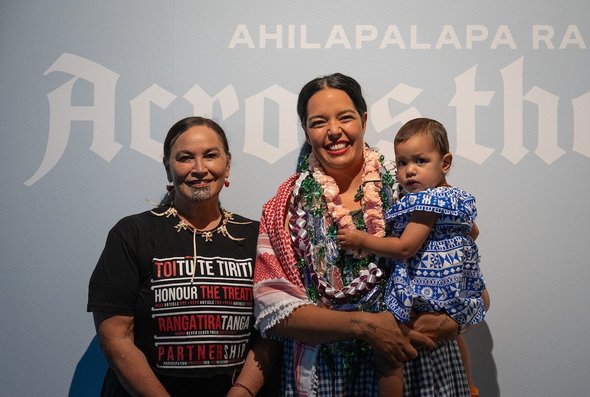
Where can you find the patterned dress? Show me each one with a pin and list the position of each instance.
(444, 276)
(338, 369)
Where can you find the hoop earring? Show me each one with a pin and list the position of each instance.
(226, 182)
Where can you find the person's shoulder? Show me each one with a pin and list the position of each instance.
(241, 227)
(457, 195)
(464, 194)
(288, 183)
(141, 219)
(131, 218)
(451, 200)
(441, 192)
(465, 203)
(284, 189)
(429, 200)
(242, 220)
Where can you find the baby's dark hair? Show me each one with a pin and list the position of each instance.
(430, 127)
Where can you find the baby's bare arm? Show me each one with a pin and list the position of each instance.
(406, 246)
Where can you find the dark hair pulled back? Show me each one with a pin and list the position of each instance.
(338, 81)
(183, 125)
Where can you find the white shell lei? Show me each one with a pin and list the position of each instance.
(208, 234)
(370, 201)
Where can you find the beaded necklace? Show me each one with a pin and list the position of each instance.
(316, 214)
(226, 217)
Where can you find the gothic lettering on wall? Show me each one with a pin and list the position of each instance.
(469, 102)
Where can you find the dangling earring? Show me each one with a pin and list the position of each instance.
(226, 183)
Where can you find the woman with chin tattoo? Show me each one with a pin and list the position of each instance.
(171, 294)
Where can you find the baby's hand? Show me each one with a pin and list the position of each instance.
(350, 238)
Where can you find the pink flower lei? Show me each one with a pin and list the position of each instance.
(315, 207)
(370, 201)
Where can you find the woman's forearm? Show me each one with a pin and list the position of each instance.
(134, 372)
(262, 366)
(115, 334)
(314, 325)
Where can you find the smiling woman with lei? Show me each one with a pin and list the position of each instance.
(324, 302)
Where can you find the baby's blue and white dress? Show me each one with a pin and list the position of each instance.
(444, 276)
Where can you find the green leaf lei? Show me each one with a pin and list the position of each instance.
(311, 195)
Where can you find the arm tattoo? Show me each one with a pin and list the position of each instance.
(371, 326)
(442, 324)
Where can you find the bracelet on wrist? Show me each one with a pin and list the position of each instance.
(238, 384)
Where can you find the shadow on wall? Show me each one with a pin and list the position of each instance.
(90, 371)
(483, 368)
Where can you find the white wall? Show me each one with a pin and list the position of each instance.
(89, 89)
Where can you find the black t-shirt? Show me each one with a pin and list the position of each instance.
(185, 328)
